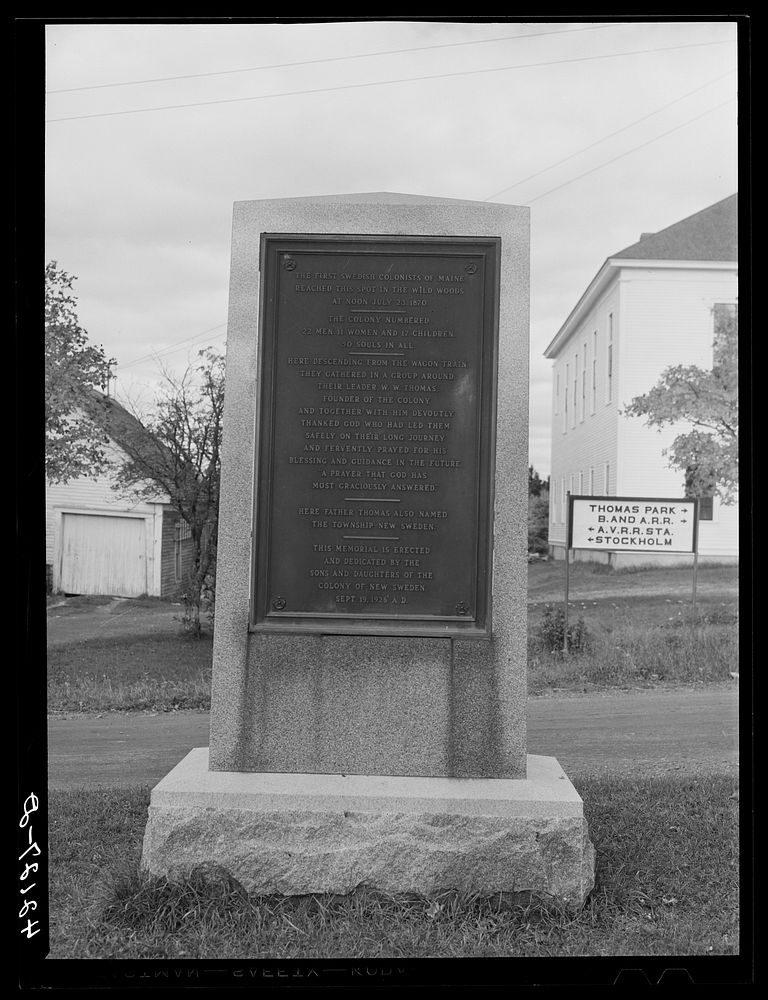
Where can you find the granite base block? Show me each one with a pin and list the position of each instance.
(295, 834)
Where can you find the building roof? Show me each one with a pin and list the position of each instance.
(711, 234)
(709, 237)
(118, 423)
(122, 427)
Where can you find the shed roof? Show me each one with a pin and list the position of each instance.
(120, 425)
(112, 416)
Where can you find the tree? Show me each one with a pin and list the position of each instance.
(538, 512)
(535, 483)
(74, 444)
(706, 400)
(178, 448)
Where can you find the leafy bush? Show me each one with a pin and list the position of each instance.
(551, 631)
(538, 523)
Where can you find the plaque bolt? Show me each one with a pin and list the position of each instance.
(470, 268)
(278, 603)
(461, 608)
(289, 264)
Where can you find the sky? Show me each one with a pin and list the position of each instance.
(604, 129)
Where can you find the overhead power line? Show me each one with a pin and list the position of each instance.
(633, 150)
(384, 83)
(330, 59)
(610, 135)
(176, 346)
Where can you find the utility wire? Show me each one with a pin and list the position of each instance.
(176, 346)
(331, 59)
(383, 83)
(633, 150)
(173, 348)
(156, 355)
(605, 138)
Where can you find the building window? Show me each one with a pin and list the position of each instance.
(562, 500)
(181, 531)
(593, 400)
(701, 487)
(609, 362)
(706, 508)
(581, 484)
(565, 399)
(591, 480)
(726, 326)
(584, 385)
(557, 393)
(575, 389)
(607, 480)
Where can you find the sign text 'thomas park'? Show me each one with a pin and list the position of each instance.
(638, 524)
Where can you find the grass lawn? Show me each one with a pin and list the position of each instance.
(667, 847)
(666, 884)
(158, 672)
(657, 595)
(637, 625)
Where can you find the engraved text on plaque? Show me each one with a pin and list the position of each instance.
(376, 435)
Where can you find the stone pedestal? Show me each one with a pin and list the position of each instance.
(389, 755)
(372, 704)
(330, 833)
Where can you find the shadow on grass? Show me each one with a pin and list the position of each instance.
(666, 884)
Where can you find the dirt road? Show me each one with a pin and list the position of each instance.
(630, 733)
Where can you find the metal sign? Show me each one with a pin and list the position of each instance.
(632, 524)
(376, 435)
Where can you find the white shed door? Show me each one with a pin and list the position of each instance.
(101, 554)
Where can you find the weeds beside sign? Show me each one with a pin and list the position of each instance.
(632, 524)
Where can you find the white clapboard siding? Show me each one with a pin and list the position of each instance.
(103, 554)
(591, 443)
(660, 315)
(666, 319)
(96, 498)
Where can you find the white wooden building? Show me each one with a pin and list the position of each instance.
(99, 542)
(650, 306)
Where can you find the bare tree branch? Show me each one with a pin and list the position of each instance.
(177, 447)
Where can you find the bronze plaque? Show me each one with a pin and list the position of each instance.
(375, 444)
